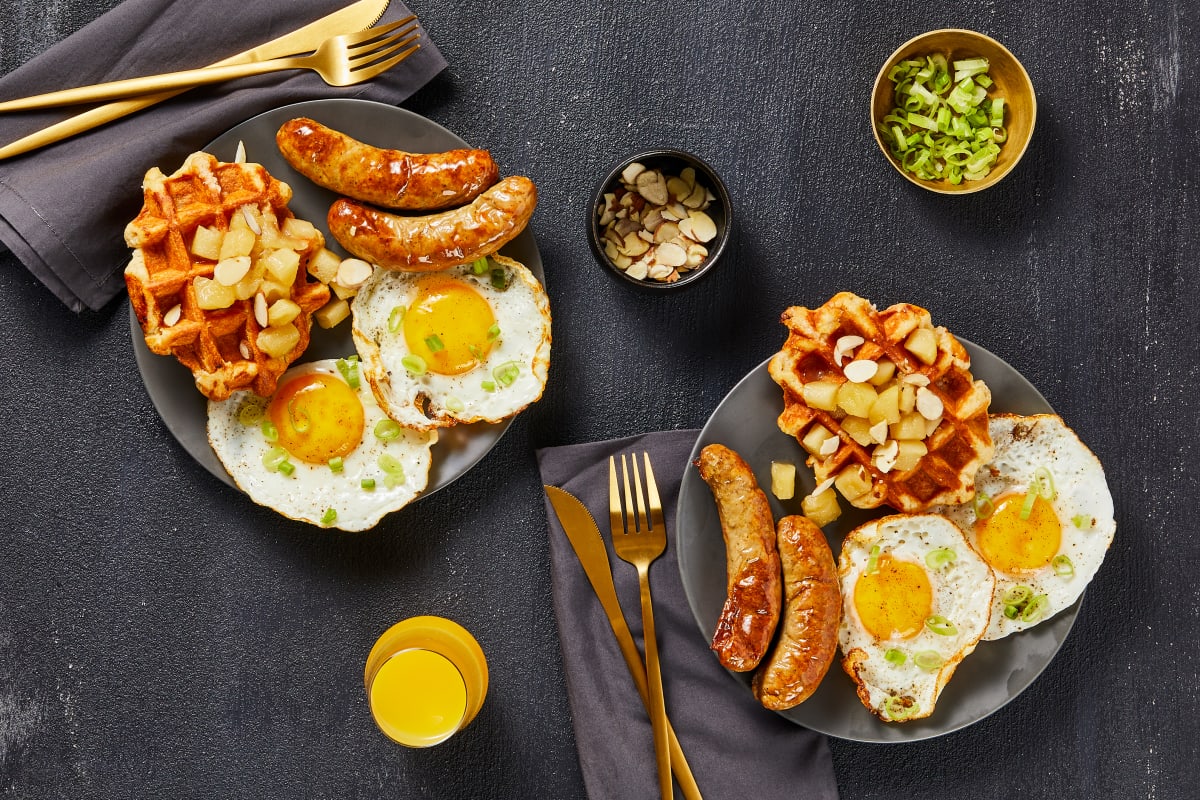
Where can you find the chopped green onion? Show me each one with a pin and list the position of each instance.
(1017, 595)
(387, 429)
(329, 517)
(391, 465)
(479, 265)
(1082, 521)
(287, 468)
(1031, 496)
(298, 418)
(434, 343)
(273, 458)
(396, 319)
(928, 660)
(336, 464)
(940, 557)
(414, 364)
(269, 431)
(895, 655)
(984, 507)
(500, 279)
(941, 626)
(493, 332)
(506, 374)
(1035, 609)
(1062, 565)
(873, 560)
(453, 404)
(349, 369)
(1045, 483)
(943, 125)
(250, 413)
(367, 483)
(899, 709)
(487, 386)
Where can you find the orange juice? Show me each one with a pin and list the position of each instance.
(426, 678)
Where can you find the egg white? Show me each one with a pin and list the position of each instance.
(1023, 444)
(431, 400)
(311, 489)
(962, 593)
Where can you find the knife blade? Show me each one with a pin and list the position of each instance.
(354, 17)
(589, 548)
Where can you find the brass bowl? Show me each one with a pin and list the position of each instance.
(1011, 82)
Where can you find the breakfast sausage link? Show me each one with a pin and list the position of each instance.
(388, 178)
(753, 594)
(813, 608)
(435, 241)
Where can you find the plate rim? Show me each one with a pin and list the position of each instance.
(147, 361)
(923, 729)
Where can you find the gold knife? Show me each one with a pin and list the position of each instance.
(354, 17)
(589, 548)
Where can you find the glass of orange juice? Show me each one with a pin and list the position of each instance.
(426, 678)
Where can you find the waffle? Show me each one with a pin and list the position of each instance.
(221, 346)
(870, 459)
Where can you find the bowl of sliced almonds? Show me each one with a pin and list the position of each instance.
(660, 219)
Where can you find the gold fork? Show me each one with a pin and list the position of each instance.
(340, 61)
(640, 536)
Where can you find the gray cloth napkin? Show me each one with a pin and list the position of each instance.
(63, 209)
(735, 747)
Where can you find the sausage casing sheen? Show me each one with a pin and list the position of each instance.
(435, 241)
(808, 639)
(753, 589)
(388, 178)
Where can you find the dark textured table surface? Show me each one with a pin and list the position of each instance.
(160, 636)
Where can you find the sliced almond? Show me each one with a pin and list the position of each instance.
(622, 261)
(172, 315)
(653, 187)
(688, 175)
(860, 371)
(631, 172)
(822, 486)
(638, 270)
(696, 198)
(353, 272)
(678, 188)
(828, 448)
(671, 254)
(879, 431)
(260, 310)
(845, 346)
(885, 456)
(666, 232)
(231, 270)
(634, 245)
(916, 379)
(703, 227)
(929, 405)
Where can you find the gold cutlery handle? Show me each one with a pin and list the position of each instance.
(657, 707)
(133, 87)
(79, 123)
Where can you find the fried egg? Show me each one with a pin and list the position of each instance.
(463, 345)
(320, 449)
(1042, 518)
(915, 601)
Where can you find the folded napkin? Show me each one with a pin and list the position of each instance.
(735, 747)
(63, 209)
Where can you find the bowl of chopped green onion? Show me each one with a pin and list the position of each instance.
(953, 110)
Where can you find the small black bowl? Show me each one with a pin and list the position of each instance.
(671, 162)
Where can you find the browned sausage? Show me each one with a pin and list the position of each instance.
(435, 241)
(812, 610)
(753, 593)
(389, 178)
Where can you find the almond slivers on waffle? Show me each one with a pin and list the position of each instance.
(219, 273)
(885, 405)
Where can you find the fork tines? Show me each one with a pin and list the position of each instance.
(639, 513)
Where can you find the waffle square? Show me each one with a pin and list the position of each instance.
(221, 346)
(924, 453)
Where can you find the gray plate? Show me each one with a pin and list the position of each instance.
(170, 386)
(987, 679)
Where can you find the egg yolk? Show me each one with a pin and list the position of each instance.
(450, 325)
(1011, 544)
(318, 417)
(895, 600)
